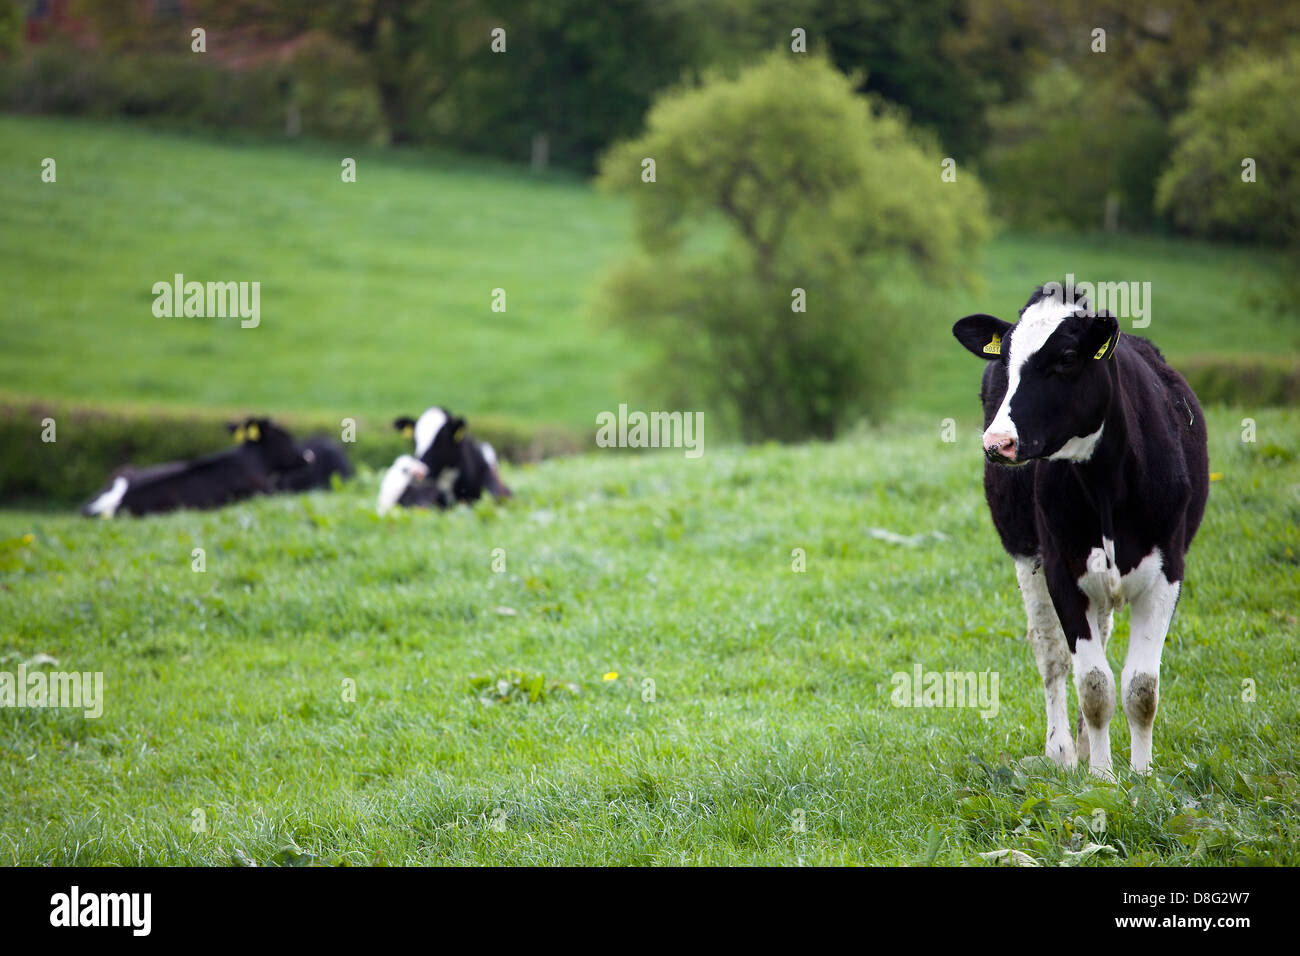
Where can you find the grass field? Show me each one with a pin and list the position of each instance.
(771, 704)
(376, 295)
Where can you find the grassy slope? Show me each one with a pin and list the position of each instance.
(376, 295)
(772, 687)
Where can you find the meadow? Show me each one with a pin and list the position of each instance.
(377, 295)
(623, 666)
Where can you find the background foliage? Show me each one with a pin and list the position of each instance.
(778, 180)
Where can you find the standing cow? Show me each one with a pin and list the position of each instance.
(1114, 489)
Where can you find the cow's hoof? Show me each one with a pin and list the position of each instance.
(1062, 753)
(1081, 745)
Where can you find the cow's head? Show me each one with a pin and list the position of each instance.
(437, 434)
(1047, 394)
(276, 446)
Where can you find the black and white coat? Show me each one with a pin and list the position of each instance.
(248, 469)
(456, 466)
(1113, 489)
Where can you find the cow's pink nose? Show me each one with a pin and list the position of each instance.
(1000, 445)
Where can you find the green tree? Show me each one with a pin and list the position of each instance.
(776, 180)
(1249, 110)
(581, 73)
(900, 49)
(1154, 48)
(11, 29)
(415, 50)
(1046, 167)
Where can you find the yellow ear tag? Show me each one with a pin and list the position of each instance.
(239, 435)
(460, 433)
(994, 347)
(408, 431)
(1108, 345)
(254, 433)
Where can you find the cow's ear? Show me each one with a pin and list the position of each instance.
(458, 427)
(405, 425)
(1101, 337)
(236, 430)
(981, 334)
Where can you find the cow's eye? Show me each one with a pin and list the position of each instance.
(1069, 358)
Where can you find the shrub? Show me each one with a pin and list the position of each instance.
(778, 179)
(1243, 380)
(1061, 152)
(325, 81)
(1247, 109)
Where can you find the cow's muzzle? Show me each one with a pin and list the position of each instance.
(1000, 449)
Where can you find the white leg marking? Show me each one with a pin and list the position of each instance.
(1093, 681)
(106, 505)
(397, 479)
(1095, 686)
(446, 481)
(1052, 656)
(1153, 599)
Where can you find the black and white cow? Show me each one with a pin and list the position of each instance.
(458, 466)
(322, 459)
(231, 475)
(1114, 488)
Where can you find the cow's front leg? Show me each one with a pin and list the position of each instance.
(1082, 608)
(1051, 655)
(1153, 610)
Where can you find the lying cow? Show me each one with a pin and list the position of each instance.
(231, 475)
(1114, 489)
(322, 459)
(458, 467)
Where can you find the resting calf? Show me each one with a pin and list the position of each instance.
(459, 467)
(209, 482)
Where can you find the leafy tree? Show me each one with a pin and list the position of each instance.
(899, 49)
(776, 180)
(579, 72)
(1248, 110)
(415, 50)
(11, 29)
(1154, 48)
(1046, 169)
(1123, 100)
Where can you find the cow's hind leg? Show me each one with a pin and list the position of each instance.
(1153, 610)
(1052, 656)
